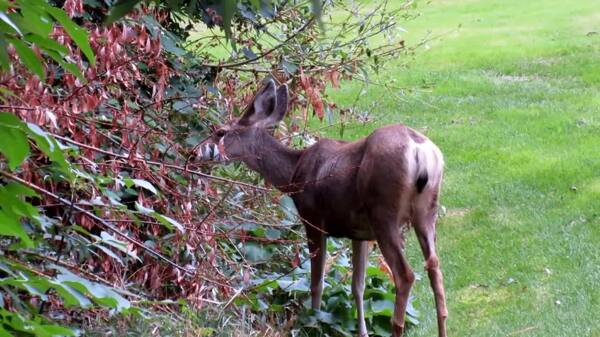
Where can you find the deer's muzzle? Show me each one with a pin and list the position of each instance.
(210, 152)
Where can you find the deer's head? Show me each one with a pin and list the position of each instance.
(236, 139)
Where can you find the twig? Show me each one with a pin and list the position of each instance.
(15, 107)
(86, 273)
(213, 209)
(66, 216)
(237, 293)
(267, 53)
(91, 215)
(518, 332)
(156, 163)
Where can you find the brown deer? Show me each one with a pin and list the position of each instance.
(370, 189)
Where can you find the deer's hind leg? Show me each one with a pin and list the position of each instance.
(424, 222)
(388, 231)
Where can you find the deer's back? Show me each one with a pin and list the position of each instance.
(338, 182)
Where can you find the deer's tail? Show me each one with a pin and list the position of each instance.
(429, 166)
(422, 172)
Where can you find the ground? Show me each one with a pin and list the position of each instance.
(512, 97)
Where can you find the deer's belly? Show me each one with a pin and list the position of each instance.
(353, 225)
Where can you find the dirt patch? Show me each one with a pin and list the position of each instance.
(457, 212)
(503, 78)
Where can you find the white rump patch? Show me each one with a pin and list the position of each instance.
(424, 159)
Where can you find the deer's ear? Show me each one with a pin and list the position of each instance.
(261, 107)
(281, 107)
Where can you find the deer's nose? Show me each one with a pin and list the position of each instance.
(210, 152)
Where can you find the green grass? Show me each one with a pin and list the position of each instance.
(513, 100)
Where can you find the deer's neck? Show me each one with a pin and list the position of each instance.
(274, 161)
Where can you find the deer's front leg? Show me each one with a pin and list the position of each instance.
(360, 253)
(317, 246)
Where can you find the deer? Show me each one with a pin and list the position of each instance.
(371, 189)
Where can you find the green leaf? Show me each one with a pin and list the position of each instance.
(3, 91)
(17, 189)
(78, 34)
(10, 120)
(14, 322)
(163, 219)
(324, 316)
(169, 42)
(9, 22)
(110, 253)
(288, 207)
(28, 57)
(13, 144)
(101, 293)
(120, 9)
(11, 226)
(71, 296)
(36, 21)
(289, 67)
(373, 271)
(12, 203)
(183, 107)
(118, 244)
(70, 67)
(300, 285)
(10, 196)
(52, 330)
(73, 69)
(39, 285)
(4, 60)
(256, 4)
(411, 312)
(229, 7)
(35, 291)
(169, 222)
(273, 234)
(383, 307)
(249, 54)
(142, 209)
(50, 147)
(42, 139)
(255, 252)
(47, 44)
(317, 10)
(4, 333)
(144, 184)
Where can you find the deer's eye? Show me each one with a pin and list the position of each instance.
(220, 133)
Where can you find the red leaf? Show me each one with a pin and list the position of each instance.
(296, 260)
(334, 78)
(383, 266)
(246, 277)
(313, 95)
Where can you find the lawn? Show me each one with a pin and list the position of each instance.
(512, 98)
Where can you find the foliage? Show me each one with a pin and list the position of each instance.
(103, 208)
(27, 24)
(19, 277)
(337, 317)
